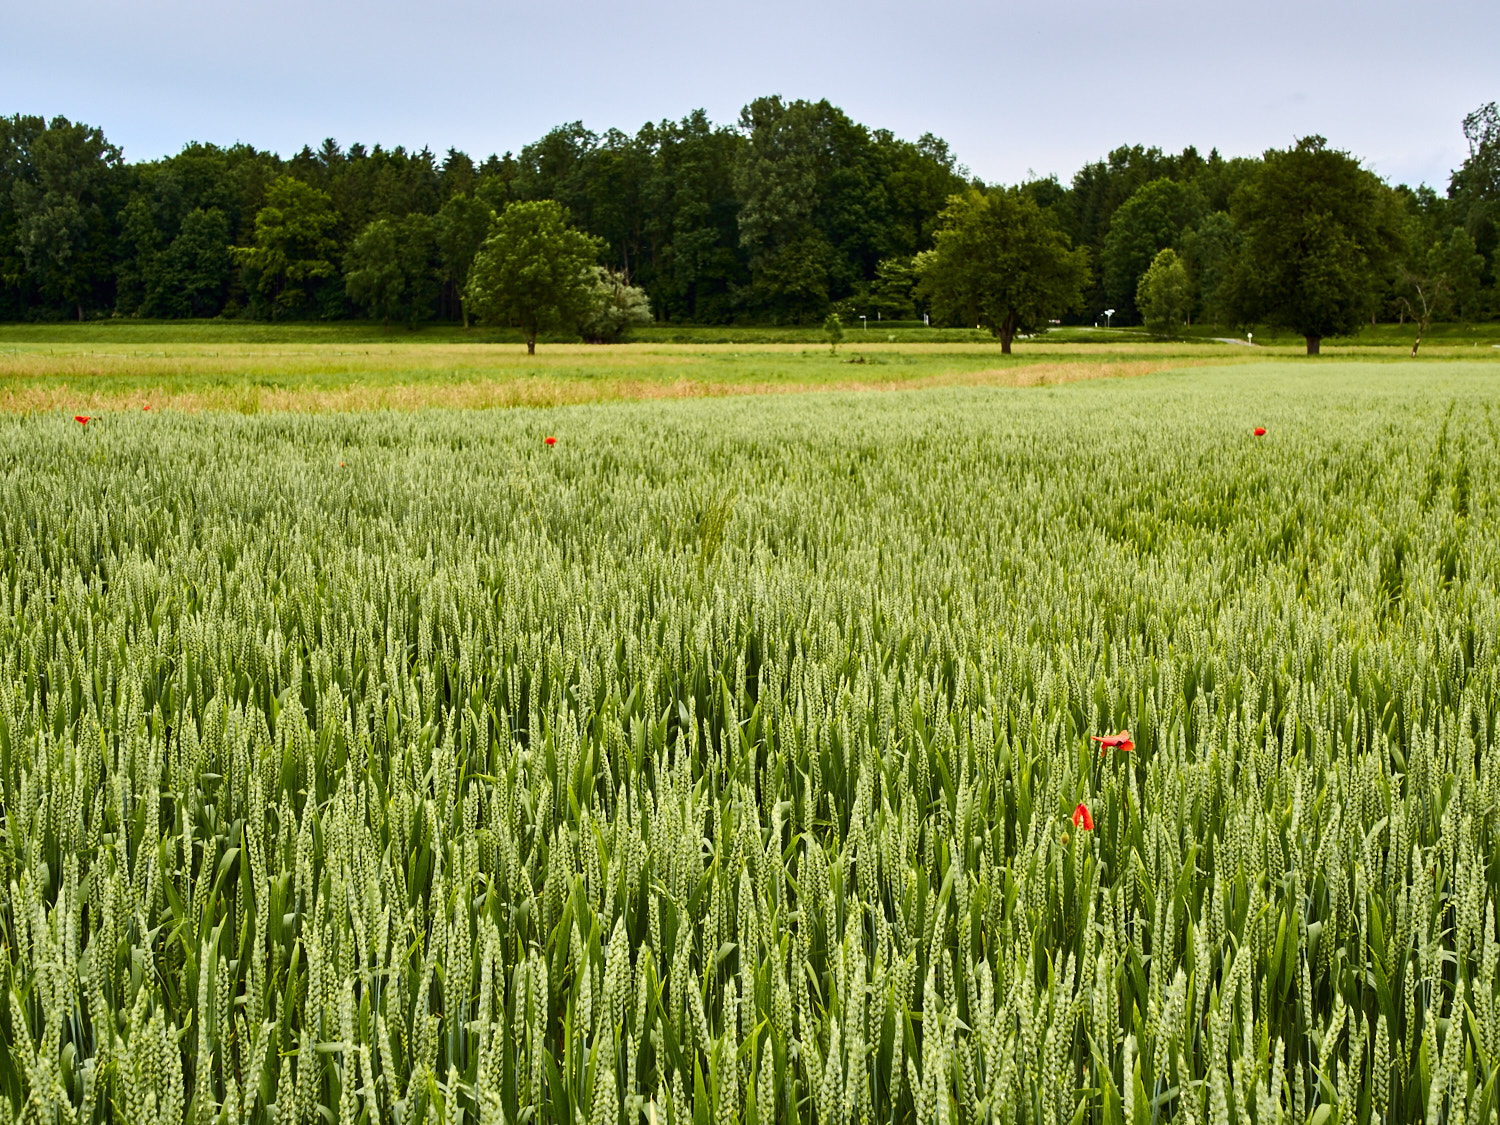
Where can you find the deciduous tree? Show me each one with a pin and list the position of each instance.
(1475, 187)
(1156, 217)
(191, 277)
(1317, 230)
(461, 228)
(294, 245)
(615, 307)
(534, 270)
(999, 261)
(392, 269)
(822, 201)
(692, 264)
(64, 179)
(372, 270)
(1164, 295)
(1438, 280)
(1208, 252)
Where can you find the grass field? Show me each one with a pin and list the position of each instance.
(723, 761)
(102, 367)
(211, 332)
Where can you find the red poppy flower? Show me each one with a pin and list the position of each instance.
(146, 407)
(550, 440)
(1119, 741)
(1260, 431)
(1081, 817)
(82, 419)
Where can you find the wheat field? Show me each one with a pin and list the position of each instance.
(735, 760)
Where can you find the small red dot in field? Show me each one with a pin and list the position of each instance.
(1260, 431)
(81, 419)
(146, 407)
(550, 440)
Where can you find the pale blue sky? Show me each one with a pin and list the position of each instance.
(1013, 87)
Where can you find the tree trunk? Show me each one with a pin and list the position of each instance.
(1312, 344)
(80, 314)
(1418, 344)
(463, 307)
(531, 344)
(1005, 339)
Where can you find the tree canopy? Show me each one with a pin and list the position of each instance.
(999, 261)
(614, 307)
(1475, 187)
(1155, 218)
(1317, 229)
(64, 187)
(461, 228)
(392, 269)
(1164, 295)
(534, 271)
(790, 212)
(294, 245)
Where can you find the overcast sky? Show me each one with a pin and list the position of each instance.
(1013, 87)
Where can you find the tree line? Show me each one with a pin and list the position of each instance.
(791, 213)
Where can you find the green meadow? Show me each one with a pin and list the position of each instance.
(102, 367)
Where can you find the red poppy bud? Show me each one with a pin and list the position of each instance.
(551, 440)
(1081, 818)
(1260, 431)
(146, 407)
(81, 419)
